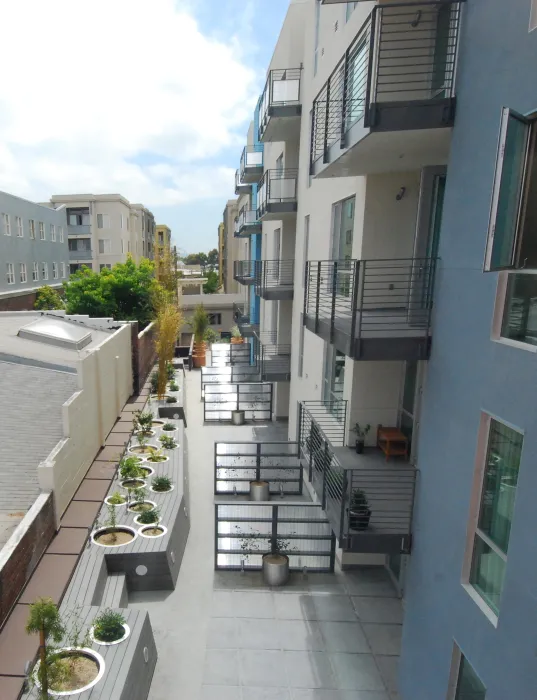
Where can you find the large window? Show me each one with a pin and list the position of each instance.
(103, 221)
(41, 231)
(512, 243)
(10, 273)
(469, 685)
(496, 510)
(18, 224)
(22, 273)
(44, 271)
(55, 270)
(7, 224)
(52, 232)
(78, 217)
(35, 272)
(31, 223)
(105, 245)
(520, 309)
(334, 376)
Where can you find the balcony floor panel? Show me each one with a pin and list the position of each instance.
(276, 211)
(252, 175)
(277, 293)
(283, 124)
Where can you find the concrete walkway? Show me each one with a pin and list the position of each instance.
(224, 636)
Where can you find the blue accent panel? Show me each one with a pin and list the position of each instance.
(254, 196)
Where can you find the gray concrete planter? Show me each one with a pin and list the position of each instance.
(275, 569)
(259, 491)
(238, 417)
(90, 653)
(119, 528)
(144, 528)
(110, 644)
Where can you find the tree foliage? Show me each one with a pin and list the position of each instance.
(212, 257)
(169, 320)
(211, 286)
(196, 259)
(47, 298)
(127, 292)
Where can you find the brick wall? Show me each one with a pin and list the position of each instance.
(22, 552)
(24, 302)
(143, 353)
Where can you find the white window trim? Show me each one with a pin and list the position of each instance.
(62, 270)
(10, 273)
(6, 224)
(35, 272)
(19, 225)
(53, 233)
(54, 270)
(60, 230)
(499, 308)
(31, 229)
(42, 231)
(45, 271)
(22, 268)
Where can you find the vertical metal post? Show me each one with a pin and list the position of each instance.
(333, 309)
(215, 467)
(317, 300)
(332, 553)
(325, 471)
(258, 462)
(354, 303)
(274, 533)
(326, 123)
(342, 129)
(313, 150)
(343, 531)
(306, 278)
(216, 536)
(271, 400)
(370, 59)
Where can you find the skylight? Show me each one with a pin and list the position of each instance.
(56, 332)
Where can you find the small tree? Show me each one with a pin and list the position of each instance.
(199, 323)
(211, 286)
(47, 298)
(44, 620)
(169, 320)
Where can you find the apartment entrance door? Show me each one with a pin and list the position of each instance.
(342, 236)
(334, 379)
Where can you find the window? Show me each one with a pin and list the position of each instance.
(22, 273)
(351, 6)
(44, 271)
(105, 246)
(18, 224)
(519, 320)
(55, 270)
(10, 273)
(103, 265)
(79, 244)
(103, 221)
(334, 377)
(60, 231)
(41, 231)
(122, 245)
(215, 319)
(469, 685)
(31, 228)
(78, 217)
(52, 232)
(511, 242)
(121, 220)
(7, 224)
(35, 272)
(491, 540)
(62, 269)
(301, 347)
(533, 15)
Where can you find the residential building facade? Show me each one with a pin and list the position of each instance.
(407, 326)
(33, 250)
(103, 229)
(231, 247)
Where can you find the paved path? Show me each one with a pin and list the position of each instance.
(224, 636)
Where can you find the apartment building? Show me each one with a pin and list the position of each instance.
(380, 125)
(163, 235)
(103, 229)
(230, 247)
(33, 250)
(221, 254)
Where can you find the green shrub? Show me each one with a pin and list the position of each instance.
(161, 483)
(116, 499)
(168, 442)
(174, 387)
(168, 426)
(108, 626)
(171, 399)
(47, 299)
(129, 468)
(148, 517)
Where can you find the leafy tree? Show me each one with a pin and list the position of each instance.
(44, 620)
(211, 286)
(48, 298)
(212, 257)
(196, 259)
(127, 292)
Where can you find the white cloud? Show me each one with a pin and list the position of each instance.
(89, 87)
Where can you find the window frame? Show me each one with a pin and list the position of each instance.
(19, 226)
(104, 241)
(31, 229)
(44, 270)
(60, 231)
(54, 270)
(53, 233)
(35, 272)
(10, 273)
(42, 232)
(23, 273)
(6, 224)
(62, 270)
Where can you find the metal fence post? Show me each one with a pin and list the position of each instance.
(354, 304)
(258, 462)
(325, 471)
(274, 533)
(318, 299)
(333, 309)
(344, 487)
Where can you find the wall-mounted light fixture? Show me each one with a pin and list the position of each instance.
(399, 196)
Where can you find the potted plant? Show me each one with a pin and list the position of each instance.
(168, 443)
(142, 422)
(169, 428)
(112, 534)
(44, 620)
(161, 484)
(153, 382)
(109, 627)
(157, 456)
(171, 399)
(199, 324)
(129, 468)
(211, 336)
(361, 434)
(116, 499)
(148, 517)
(236, 336)
(259, 491)
(170, 371)
(143, 447)
(174, 386)
(359, 511)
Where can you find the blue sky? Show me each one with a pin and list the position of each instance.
(160, 115)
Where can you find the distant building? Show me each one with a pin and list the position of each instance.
(33, 250)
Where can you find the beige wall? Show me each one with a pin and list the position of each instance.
(105, 384)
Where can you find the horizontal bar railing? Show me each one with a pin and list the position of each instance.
(254, 398)
(275, 274)
(228, 375)
(239, 463)
(403, 52)
(251, 157)
(245, 531)
(240, 315)
(275, 361)
(239, 184)
(277, 187)
(246, 221)
(282, 89)
(245, 271)
(370, 298)
(229, 354)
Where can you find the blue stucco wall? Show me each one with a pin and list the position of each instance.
(469, 373)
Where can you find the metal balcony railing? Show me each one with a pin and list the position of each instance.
(247, 223)
(282, 90)
(241, 187)
(404, 53)
(369, 505)
(277, 192)
(251, 165)
(242, 318)
(245, 271)
(359, 301)
(275, 279)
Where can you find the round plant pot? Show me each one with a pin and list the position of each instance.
(360, 444)
(168, 491)
(238, 417)
(74, 651)
(275, 569)
(119, 529)
(143, 531)
(157, 424)
(137, 521)
(93, 638)
(359, 519)
(140, 451)
(259, 491)
(237, 341)
(115, 505)
(148, 434)
(166, 432)
(151, 503)
(132, 484)
(198, 359)
(158, 461)
(149, 471)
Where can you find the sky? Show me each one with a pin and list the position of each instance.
(148, 98)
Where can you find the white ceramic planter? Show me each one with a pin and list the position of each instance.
(147, 465)
(149, 527)
(110, 644)
(162, 461)
(86, 652)
(143, 484)
(151, 433)
(133, 450)
(152, 503)
(114, 505)
(162, 492)
(137, 521)
(102, 530)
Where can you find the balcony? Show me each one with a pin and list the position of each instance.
(372, 309)
(390, 102)
(368, 500)
(273, 359)
(277, 195)
(82, 230)
(281, 108)
(80, 254)
(242, 319)
(275, 279)
(251, 167)
(244, 271)
(247, 223)
(241, 187)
